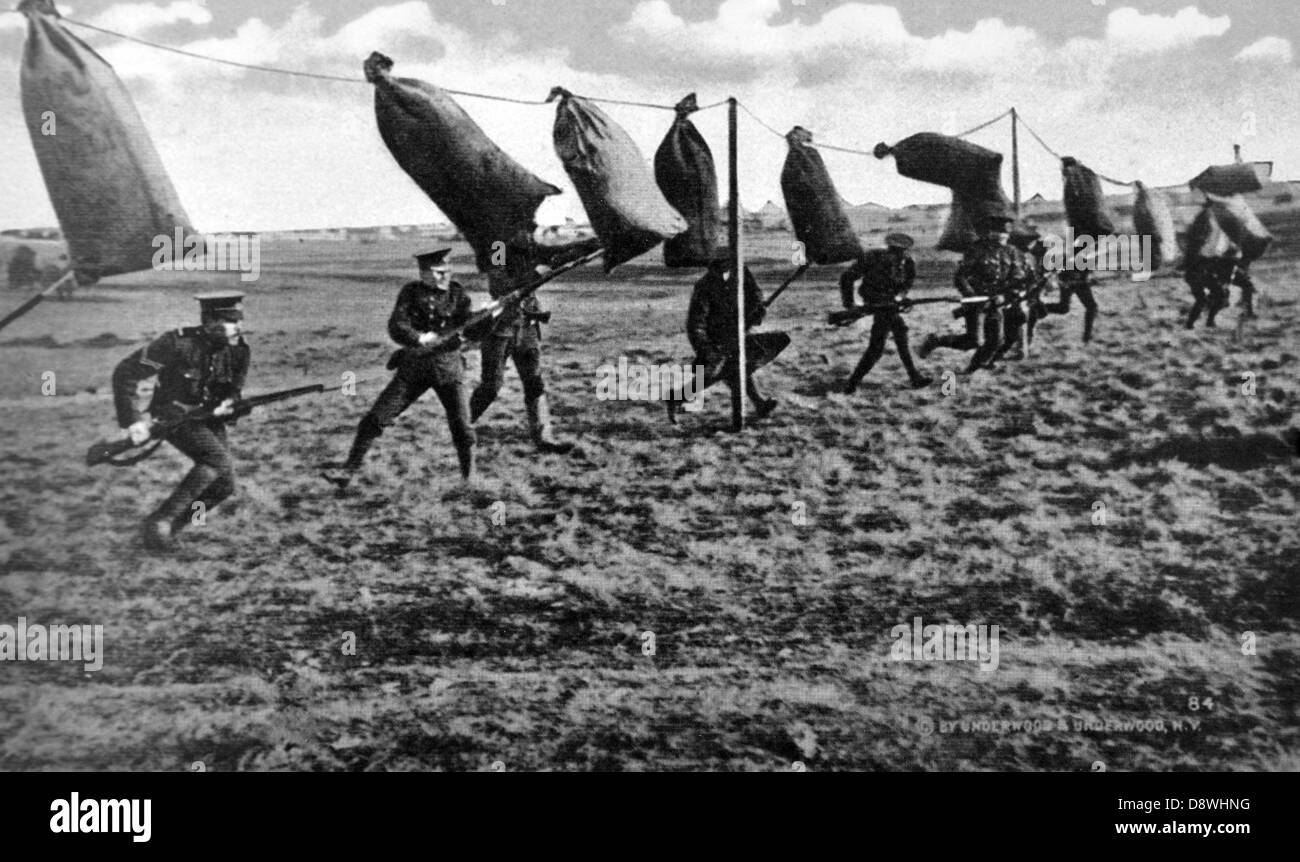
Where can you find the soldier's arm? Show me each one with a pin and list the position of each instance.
(697, 320)
(754, 310)
(400, 327)
(145, 363)
(909, 275)
(961, 278)
(847, 282)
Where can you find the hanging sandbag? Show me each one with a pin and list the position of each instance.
(814, 206)
(947, 161)
(687, 177)
(1241, 225)
(625, 207)
(1152, 217)
(1206, 238)
(1227, 180)
(106, 182)
(965, 217)
(1085, 204)
(486, 194)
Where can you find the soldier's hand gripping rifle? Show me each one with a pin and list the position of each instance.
(480, 321)
(107, 451)
(848, 315)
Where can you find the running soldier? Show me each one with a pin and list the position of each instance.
(993, 269)
(886, 275)
(711, 329)
(517, 335)
(196, 368)
(425, 309)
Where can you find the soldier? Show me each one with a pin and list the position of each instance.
(1209, 278)
(1076, 282)
(517, 336)
(1241, 278)
(887, 275)
(711, 329)
(994, 269)
(425, 309)
(197, 367)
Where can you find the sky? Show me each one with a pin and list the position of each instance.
(1144, 89)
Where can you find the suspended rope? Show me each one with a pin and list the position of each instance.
(1058, 156)
(854, 150)
(275, 70)
(985, 125)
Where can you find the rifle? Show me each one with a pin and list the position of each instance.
(493, 309)
(106, 451)
(848, 315)
(767, 303)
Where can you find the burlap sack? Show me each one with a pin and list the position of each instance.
(1085, 204)
(686, 175)
(1151, 216)
(625, 207)
(814, 205)
(106, 182)
(1241, 225)
(489, 196)
(947, 161)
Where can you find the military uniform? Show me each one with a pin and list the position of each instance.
(1076, 282)
(193, 370)
(1209, 278)
(711, 330)
(886, 275)
(516, 336)
(991, 269)
(421, 309)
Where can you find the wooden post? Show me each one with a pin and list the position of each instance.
(1015, 161)
(737, 271)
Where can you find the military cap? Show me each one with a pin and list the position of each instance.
(899, 240)
(221, 305)
(430, 259)
(997, 221)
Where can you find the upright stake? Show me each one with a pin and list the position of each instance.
(1015, 161)
(737, 271)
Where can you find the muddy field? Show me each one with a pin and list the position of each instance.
(1125, 513)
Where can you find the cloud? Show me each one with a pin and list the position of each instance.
(1270, 49)
(136, 18)
(1130, 31)
(740, 42)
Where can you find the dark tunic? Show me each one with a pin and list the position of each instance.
(193, 370)
(884, 276)
(711, 318)
(420, 309)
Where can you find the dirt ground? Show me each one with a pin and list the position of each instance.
(504, 625)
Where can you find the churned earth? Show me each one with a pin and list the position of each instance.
(669, 599)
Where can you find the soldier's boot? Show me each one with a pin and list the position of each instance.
(1247, 303)
(539, 425)
(1089, 316)
(341, 475)
(160, 528)
(914, 377)
(1197, 307)
(762, 406)
(928, 344)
